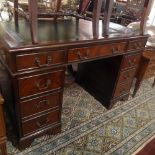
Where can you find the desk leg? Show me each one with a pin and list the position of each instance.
(140, 74)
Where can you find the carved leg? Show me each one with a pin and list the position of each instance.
(33, 17)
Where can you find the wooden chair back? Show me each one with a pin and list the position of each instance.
(133, 11)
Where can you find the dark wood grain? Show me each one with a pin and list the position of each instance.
(148, 149)
(43, 121)
(122, 88)
(36, 84)
(51, 32)
(39, 60)
(41, 104)
(3, 150)
(86, 53)
(131, 61)
(126, 75)
(136, 44)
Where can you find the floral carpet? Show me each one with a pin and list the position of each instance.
(90, 129)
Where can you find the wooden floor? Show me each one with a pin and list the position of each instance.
(149, 149)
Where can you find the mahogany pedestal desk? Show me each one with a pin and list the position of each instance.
(2, 130)
(106, 67)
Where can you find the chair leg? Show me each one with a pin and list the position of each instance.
(16, 12)
(58, 5)
(96, 17)
(107, 15)
(153, 83)
(33, 17)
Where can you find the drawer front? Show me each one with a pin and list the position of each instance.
(131, 61)
(136, 45)
(152, 62)
(79, 54)
(150, 72)
(40, 104)
(126, 75)
(35, 60)
(122, 88)
(39, 83)
(41, 122)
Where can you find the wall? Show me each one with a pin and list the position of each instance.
(152, 14)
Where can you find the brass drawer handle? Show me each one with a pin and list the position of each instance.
(42, 102)
(42, 123)
(127, 76)
(83, 57)
(140, 45)
(123, 90)
(79, 55)
(132, 62)
(135, 45)
(38, 63)
(41, 87)
(115, 50)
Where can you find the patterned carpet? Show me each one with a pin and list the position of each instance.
(90, 129)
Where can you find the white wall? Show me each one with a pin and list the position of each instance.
(152, 14)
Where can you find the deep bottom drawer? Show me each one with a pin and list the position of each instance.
(122, 88)
(41, 122)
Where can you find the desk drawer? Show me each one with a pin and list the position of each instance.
(126, 75)
(131, 61)
(136, 45)
(150, 72)
(39, 83)
(78, 54)
(152, 62)
(39, 60)
(41, 122)
(122, 88)
(40, 104)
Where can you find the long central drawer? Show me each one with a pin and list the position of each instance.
(85, 53)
